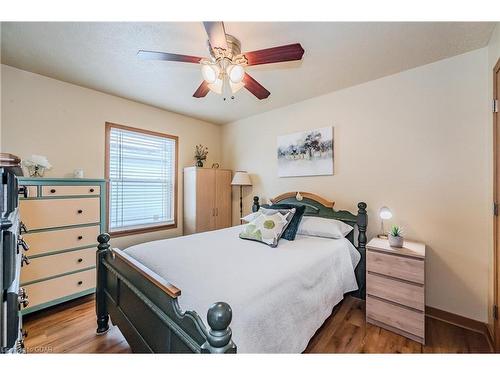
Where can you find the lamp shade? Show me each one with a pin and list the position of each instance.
(385, 213)
(241, 178)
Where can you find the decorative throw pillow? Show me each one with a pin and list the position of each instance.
(323, 227)
(267, 227)
(248, 218)
(291, 230)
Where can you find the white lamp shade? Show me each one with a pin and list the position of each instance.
(235, 87)
(235, 73)
(241, 179)
(385, 213)
(210, 72)
(216, 86)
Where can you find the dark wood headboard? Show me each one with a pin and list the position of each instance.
(321, 207)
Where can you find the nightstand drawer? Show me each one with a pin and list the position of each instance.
(396, 291)
(61, 190)
(57, 264)
(401, 267)
(50, 213)
(398, 317)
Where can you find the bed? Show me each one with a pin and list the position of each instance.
(274, 298)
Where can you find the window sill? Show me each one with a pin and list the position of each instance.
(129, 232)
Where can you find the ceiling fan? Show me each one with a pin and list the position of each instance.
(224, 71)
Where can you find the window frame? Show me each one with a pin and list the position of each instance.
(146, 228)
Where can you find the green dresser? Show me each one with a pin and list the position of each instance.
(63, 218)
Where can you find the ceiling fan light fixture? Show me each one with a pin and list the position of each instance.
(235, 73)
(216, 86)
(210, 73)
(235, 87)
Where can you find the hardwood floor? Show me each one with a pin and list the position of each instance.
(70, 328)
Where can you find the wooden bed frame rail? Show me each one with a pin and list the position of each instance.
(145, 308)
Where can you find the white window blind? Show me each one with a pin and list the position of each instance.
(141, 178)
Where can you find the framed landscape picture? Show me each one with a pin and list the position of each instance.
(307, 153)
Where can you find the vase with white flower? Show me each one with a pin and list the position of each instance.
(36, 165)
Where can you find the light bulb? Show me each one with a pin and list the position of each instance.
(235, 73)
(210, 72)
(385, 213)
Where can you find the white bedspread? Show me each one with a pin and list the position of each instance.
(279, 296)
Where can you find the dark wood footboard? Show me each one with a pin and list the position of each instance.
(145, 308)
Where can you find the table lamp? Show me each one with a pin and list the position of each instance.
(385, 214)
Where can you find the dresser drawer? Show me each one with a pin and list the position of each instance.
(59, 287)
(53, 265)
(396, 266)
(48, 213)
(61, 239)
(62, 190)
(395, 316)
(397, 291)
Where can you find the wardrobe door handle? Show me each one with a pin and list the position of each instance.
(216, 212)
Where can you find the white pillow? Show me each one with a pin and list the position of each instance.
(322, 227)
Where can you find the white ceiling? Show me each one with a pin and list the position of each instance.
(102, 56)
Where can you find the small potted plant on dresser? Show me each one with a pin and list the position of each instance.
(395, 237)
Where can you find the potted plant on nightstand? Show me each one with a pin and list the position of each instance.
(395, 236)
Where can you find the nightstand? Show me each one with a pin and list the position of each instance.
(395, 287)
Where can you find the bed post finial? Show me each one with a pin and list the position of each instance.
(360, 270)
(256, 204)
(100, 298)
(219, 317)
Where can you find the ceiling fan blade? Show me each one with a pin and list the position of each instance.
(153, 55)
(202, 90)
(255, 87)
(289, 52)
(216, 34)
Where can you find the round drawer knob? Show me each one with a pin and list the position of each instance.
(80, 260)
(52, 191)
(92, 190)
(80, 211)
(80, 282)
(80, 237)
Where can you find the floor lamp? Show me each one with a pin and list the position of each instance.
(241, 178)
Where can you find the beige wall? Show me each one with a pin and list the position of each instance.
(418, 142)
(65, 122)
(493, 56)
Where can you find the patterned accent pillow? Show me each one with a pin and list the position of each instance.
(268, 226)
(291, 230)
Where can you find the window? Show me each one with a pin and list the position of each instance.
(141, 168)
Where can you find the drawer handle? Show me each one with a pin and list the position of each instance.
(80, 211)
(80, 282)
(80, 237)
(52, 191)
(80, 260)
(92, 190)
